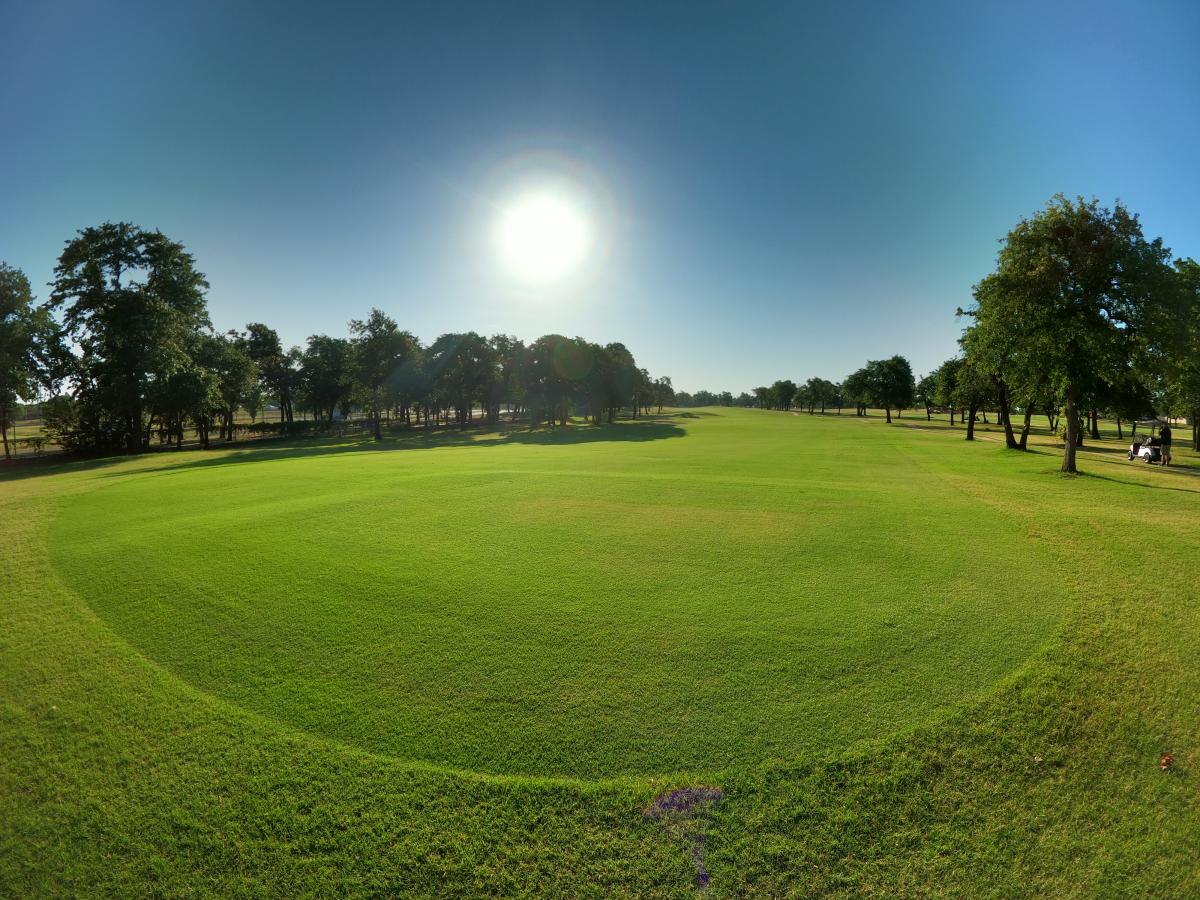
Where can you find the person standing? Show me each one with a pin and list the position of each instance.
(1164, 440)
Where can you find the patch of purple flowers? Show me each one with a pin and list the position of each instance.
(682, 801)
(680, 812)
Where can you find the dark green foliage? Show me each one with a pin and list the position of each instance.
(1078, 297)
(31, 351)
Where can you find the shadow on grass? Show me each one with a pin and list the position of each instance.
(654, 429)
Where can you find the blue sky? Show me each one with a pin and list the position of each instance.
(788, 189)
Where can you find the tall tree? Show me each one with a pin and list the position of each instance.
(1075, 287)
(1181, 388)
(890, 384)
(275, 370)
(132, 302)
(31, 353)
(381, 348)
(327, 374)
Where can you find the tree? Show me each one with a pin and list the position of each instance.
(31, 351)
(972, 389)
(130, 332)
(460, 366)
(327, 374)
(889, 384)
(857, 389)
(664, 393)
(1075, 288)
(381, 349)
(926, 391)
(1181, 387)
(945, 385)
(783, 392)
(275, 371)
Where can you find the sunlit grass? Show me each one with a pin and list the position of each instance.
(914, 665)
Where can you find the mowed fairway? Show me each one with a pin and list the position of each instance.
(467, 664)
(608, 601)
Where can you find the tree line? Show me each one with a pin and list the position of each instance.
(126, 350)
(1083, 316)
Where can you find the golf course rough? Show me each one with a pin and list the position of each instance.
(470, 664)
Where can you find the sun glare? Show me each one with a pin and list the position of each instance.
(542, 237)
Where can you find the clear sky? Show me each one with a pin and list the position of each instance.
(779, 190)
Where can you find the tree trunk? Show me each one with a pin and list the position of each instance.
(1072, 436)
(888, 411)
(378, 427)
(1022, 444)
(951, 415)
(4, 432)
(1120, 433)
(971, 410)
(1002, 415)
(1095, 424)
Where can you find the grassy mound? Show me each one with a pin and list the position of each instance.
(576, 607)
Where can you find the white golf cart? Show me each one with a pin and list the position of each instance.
(1147, 452)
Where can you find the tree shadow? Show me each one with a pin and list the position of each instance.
(1154, 487)
(653, 429)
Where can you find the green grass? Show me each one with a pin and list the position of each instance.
(465, 664)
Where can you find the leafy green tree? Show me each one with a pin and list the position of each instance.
(889, 384)
(1181, 383)
(131, 331)
(380, 349)
(31, 352)
(1075, 288)
(275, 372)
(945, 385)
(972, 390)
(664, 393)
(926, 391)
(856, 388)
(502, 382)
(461, 366)
(237, 380)
(783, 392)
(327, 374)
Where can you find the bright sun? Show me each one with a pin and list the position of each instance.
(542, 237)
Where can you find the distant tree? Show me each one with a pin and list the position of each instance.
(380, 349)
(664, 393)
(502, 381)
(945, 385)
(327, 369)
(783, 392)
(926, 392)
(856, 388)
(890, 384)
(31, 352)
(972, 390)
(275, 371)
(237, 380)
